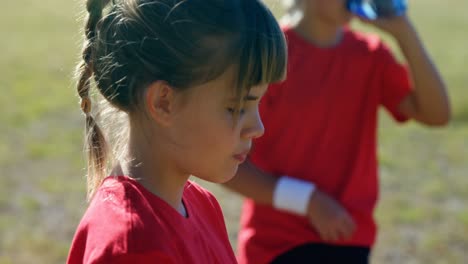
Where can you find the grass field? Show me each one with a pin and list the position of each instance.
(423, 213)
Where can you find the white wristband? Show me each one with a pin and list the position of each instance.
(292, 195)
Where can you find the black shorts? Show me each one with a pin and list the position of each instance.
(324, 254)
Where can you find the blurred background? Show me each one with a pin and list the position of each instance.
(422, 214)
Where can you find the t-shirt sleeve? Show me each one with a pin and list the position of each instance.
(395, 83)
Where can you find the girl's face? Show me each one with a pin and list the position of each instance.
(329, 11)
(208, 142)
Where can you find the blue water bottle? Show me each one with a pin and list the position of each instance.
(373, 9)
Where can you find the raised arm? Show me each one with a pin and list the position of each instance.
(428, 102)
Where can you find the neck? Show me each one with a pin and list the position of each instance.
(151, 168)
(320, 33)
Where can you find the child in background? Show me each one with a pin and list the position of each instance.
(189, 76)
(312, 179)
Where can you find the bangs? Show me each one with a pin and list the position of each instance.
(263, 58)
(253, 44)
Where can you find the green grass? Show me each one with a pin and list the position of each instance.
(422, 212)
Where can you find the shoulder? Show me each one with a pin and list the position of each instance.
(127, 205)
(118, 199)
(367, 49)
(361, 42)
(116, 222)
(114, 200)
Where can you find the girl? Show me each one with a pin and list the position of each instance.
(313, 186)
(188, 74)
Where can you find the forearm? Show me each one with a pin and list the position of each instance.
(331, 220)
(429, 97)
(253, 183)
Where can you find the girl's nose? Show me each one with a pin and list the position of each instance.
(255, 129)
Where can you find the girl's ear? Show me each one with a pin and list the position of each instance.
(160, 100)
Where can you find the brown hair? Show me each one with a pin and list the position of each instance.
(183, 42)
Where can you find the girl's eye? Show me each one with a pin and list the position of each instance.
(232, 110)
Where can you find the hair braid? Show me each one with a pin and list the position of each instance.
(96, 146)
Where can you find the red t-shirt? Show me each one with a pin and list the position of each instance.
(320, 125)
(125, 223)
